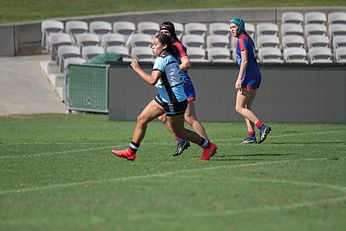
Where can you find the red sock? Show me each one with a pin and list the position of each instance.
(259, 124)
(251, 133)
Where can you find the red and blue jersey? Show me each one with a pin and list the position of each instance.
(188, 86)
(252, 76)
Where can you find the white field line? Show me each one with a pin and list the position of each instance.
(216, 140)
(208, 214)
(164, 174)
(154, 143)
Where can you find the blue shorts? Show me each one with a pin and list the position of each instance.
(189, 91)
(172, 109)
(251, 82)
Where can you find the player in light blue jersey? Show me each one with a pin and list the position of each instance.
(171, 100)
(248, 81)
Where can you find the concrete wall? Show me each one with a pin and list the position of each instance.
(25, 38)
(289, 93)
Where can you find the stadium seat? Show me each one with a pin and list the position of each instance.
(89, 52)
(315, 18)
(196, 28)
(268, 41)
(250, 29)
(56, 40)
(267, 29)
(219, 28)
(100, 28)
(48, 27)
(320, 55)
(141, 40)
(193, 40)
(73, 60)
(126, 28)
(293, 41)
(143, 54)
(113, 39)
(315, 29)
(179, 29)
(87, 39)
(218, 41)
(219, 55)
(337, 18)
(339, 41)
(75, 28)
(317, 41)
(292, 17)
(121, 50)
(292, 29)
(197, 54)
(269, 55)
(295, 55)
(337, 30)
(65, 52)
(340, 55)
(150, 28)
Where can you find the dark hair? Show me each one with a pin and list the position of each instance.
(170, 27)
(166, 40)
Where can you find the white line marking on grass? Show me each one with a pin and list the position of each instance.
(166, 143)
(33, 189)
(55, 153)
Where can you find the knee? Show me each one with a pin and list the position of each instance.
(190, 119)
(142, 120)
(162, 119)
(238, 109)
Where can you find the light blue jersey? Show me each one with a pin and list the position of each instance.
(171, 84)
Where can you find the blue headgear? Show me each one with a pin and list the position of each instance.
(240, 24)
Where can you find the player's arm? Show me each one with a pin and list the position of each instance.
(185, 63)
(184, 58)
(149, 78)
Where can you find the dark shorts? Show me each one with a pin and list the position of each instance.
(251, 82)
(172, 109)
(189, 91)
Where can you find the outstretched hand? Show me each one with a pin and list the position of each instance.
(135, 65)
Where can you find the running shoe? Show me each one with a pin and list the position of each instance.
(181, 146)
(128, 154)
(209, 151)
(249, 140)
(264, 131)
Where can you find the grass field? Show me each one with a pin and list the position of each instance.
(57, 173)
(27, 10)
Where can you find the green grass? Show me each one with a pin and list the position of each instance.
(27, 10)
(57, 173)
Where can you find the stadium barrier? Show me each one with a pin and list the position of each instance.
(288, 93)
(87, 88)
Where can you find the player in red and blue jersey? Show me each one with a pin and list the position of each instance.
(190, 115)
(248, 81)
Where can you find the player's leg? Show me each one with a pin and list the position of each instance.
(251, 137)
(150, 112)
(177, 125)
(191, 119)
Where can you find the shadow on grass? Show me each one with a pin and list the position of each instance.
(232, 157)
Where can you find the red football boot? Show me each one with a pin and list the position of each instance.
(128, 154)
(209, 151)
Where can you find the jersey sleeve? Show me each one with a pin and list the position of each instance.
(159, 64)
(180, 48)
(242, 43)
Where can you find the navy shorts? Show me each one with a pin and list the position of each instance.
(172, 109)
(189, 91)
(251, 82)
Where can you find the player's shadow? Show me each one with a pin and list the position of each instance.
(235, 157)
